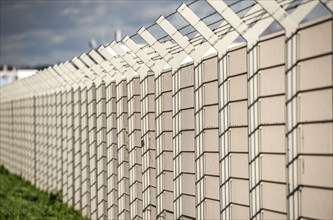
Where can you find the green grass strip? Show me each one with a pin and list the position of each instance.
(20, 200)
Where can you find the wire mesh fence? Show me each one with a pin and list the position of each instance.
(213, 120)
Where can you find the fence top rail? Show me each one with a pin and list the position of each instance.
(125, 59)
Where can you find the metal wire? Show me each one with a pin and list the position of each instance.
(249, 19)
(199, 38)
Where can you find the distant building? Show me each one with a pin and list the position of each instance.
(8, 74)
(117, 35)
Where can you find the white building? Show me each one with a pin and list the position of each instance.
(8, 76)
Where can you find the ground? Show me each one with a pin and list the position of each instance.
(20, 200)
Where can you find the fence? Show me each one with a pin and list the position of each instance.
(189, 127)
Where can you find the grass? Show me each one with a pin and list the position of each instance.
(20, 200)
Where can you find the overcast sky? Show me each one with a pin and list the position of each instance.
(50, 31)
(39, 32)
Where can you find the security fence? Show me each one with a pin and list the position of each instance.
(189, 125)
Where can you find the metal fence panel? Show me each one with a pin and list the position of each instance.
(230, 132)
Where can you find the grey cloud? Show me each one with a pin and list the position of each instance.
(46, 32)
(36, 31)
(69, 11)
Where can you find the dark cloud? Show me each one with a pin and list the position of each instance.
(47, 32)
(50, 31)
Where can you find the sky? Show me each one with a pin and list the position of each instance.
(46, 32)
(39, 32)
